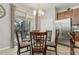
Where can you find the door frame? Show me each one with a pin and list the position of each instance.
(12, 7)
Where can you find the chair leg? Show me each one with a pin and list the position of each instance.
(32, 53)
(18, 52)
(72, 51)
(44, 53)
(56, 50)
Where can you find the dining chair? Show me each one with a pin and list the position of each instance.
(72, 42)
(49, 35)
(38, 42)
(53, 44)
(21, 45)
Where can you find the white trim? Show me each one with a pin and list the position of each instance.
(4, 48)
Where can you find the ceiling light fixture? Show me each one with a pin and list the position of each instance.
(39, 12)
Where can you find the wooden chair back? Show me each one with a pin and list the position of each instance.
(56, 36)
(38, 40)
(17, 37)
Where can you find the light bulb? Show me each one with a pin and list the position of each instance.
(39, 11)
(34, 12)
(42, 13)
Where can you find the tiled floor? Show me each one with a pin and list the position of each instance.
(62, 50)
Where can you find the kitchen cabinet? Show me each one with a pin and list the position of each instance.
(73, 13)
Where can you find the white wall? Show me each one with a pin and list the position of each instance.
(5, 27)
(47, 21)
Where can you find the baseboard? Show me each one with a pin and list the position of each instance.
(64, 44)
(4, 48)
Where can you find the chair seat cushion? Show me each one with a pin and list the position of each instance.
(50, 44)
(26, 40)
(25, 44)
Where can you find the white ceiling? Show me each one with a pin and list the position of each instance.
(45, 6)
